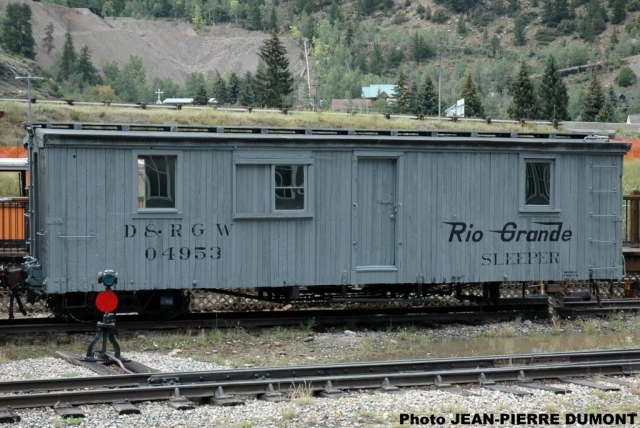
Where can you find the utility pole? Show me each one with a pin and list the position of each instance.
(439, 79)
(29, 78)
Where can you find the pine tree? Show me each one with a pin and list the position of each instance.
(593, 100)
(219, 90)
(274, 82)
(254, 21)
(614, 38)
(85, 68)
(48, 37)
(561, 11)
(246, 93)
(401, 94)
(335, 13)
(514, 6)
(17, 36)
(233, 88)
(524, 103)
(518, 30)
(472, 103)
(414, 98)
(612, 96)
(607, 113)
(549, 13)
(619, 13)
(69, 55)
(273, 20)
(554, 99)
(462, 28)
(428, 99)
(593, 22)
(201, 98)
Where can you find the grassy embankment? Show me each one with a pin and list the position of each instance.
(11, 133)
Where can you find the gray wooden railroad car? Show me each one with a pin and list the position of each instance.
(172, 207)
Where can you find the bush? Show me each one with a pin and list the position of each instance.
(545, 36)
(626, 77)
(633, 28)
(567, 26)
(633, 6)
(483, 18)
(440, 16)
(399, 18)
(420, 10)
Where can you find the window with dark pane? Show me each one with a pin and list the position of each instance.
(156, 181)
(538, 183)
(289, 187)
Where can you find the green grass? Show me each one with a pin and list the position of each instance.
(631, 176)
(11, 133)
(9, 183)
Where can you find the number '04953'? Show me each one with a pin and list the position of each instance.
(184, 253)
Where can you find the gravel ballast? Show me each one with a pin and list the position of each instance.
(357, 408)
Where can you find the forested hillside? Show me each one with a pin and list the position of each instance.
(497, 53)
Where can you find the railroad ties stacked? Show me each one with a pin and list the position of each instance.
(523, 379)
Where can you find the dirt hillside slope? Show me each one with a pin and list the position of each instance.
(168, 48)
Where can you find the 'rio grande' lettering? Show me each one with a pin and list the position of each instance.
(550, 232)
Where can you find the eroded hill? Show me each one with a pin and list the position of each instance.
(168, 48)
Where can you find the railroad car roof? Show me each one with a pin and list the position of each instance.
(194, 136)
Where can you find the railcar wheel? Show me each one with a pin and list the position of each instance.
(163, 305)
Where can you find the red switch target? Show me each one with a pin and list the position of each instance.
(106, 301)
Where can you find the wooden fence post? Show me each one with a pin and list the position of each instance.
(634, 211)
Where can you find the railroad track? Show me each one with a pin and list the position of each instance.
(327, 318)
(230, 387)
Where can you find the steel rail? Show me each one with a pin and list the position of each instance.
(317, 383)
(364, 368)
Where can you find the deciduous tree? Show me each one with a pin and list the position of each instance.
(626, 77)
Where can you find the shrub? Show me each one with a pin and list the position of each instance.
(483, 18)
(545, 36)
(633, 6)
(420, 10)
(626, 77)
(399, 18)
(567, 26)
(440, 16)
